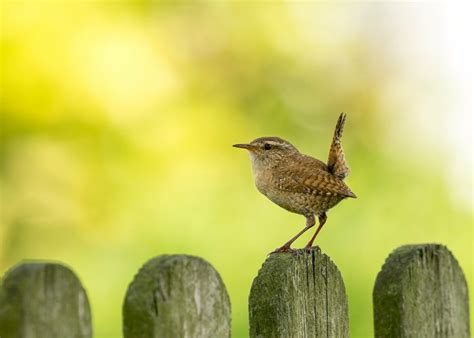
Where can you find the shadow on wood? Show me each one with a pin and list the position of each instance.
(421, 292)
(176, 296)
(40, 300)
(298, 295)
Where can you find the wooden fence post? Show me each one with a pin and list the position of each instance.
(298, 295)
(421, 292)
(176, 296)
(43, 300)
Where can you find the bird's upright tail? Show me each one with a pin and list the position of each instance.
(340, 127)
(337, 164)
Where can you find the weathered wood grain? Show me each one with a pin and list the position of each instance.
(421, 292)
(298, 295)
(40, 300)
(176, 296)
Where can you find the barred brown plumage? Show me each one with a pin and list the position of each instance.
(300, 183)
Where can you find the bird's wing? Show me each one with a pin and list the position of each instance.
(337, 164)
(310, 180)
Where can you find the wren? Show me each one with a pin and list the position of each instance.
(300, 183)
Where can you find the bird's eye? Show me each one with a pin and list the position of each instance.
(267, 146)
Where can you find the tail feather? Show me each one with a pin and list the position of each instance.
(339, 127)
(336, 161)
(351, 194)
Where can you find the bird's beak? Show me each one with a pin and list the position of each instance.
(243, 145)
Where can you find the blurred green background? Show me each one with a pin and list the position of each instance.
(118, 120)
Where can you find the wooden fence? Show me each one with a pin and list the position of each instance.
(419, 292)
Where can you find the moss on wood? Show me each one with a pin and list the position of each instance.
(421, 292)
(40, 300)
(176, 296)
(298, 294)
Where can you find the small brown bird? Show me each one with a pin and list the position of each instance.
(297, 182)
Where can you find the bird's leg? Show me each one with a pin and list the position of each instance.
(322, 220)
(286, 247)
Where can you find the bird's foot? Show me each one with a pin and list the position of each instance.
(312, 248)
(283, 249)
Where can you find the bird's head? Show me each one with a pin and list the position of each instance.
(268, 151)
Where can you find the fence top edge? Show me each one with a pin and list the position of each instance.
(285, 260)
(158, 265)
(297, 253)
(35, 264)
(411, 251)
(166, 258)
(400, 259)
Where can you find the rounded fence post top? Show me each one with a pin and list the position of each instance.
(176, 296)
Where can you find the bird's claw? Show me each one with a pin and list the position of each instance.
(283, 249)
(312, 248)
(287, 249)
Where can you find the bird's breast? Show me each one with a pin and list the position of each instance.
(263, 181)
